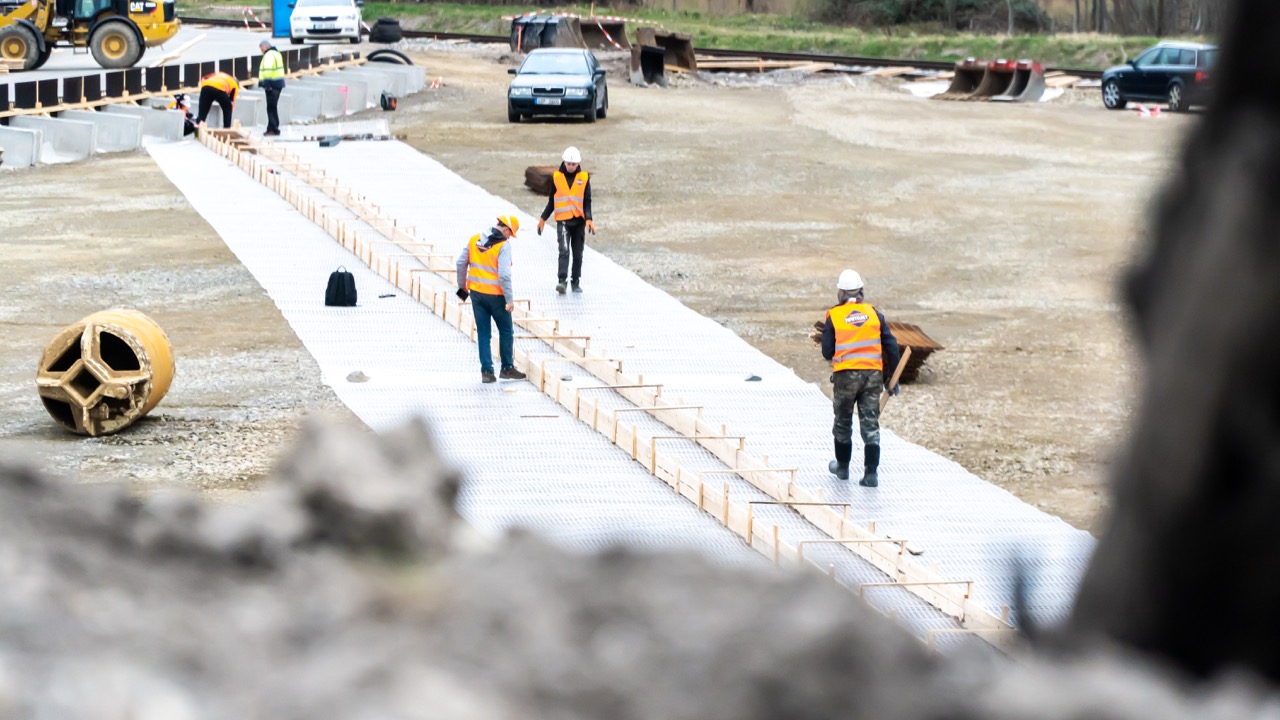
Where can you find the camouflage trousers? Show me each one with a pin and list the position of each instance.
(860, 390)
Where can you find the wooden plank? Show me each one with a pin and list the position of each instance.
(1062, 81)
(892, 71)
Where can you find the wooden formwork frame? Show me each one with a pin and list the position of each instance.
(260, 160)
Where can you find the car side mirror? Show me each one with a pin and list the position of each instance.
(601, 71)
(293, 5)
(511, 71)
(359, 3)
(1132, 63)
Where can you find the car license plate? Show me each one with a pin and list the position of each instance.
(324, 26)
(547, 101)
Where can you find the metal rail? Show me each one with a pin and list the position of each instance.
(854, 60)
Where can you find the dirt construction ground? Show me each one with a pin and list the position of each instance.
(1001, 230)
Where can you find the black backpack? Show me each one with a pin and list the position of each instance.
(341, 290)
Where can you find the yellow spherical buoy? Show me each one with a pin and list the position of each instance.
(101, 374)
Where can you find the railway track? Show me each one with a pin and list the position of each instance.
(854, 60)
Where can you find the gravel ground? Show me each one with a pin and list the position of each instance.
(74, 242)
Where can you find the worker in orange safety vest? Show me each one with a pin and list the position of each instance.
(484, 276)
(858, 342)
(570, 203)
(221, 88)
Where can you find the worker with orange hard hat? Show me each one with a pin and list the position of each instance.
(484, 276)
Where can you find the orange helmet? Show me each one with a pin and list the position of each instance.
(511, 222)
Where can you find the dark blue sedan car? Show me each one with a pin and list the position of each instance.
(558, 81)
(1172, 72)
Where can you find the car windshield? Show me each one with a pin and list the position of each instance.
(555, 64)
(1208, 58)
(326, 3)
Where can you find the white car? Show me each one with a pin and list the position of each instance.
(325, 20)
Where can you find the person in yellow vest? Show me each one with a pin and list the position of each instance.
(271, 80)
(220, 88)
(570, 203)
(857, 340)
(484, 275)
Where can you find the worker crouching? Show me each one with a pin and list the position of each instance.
(484, 275)
(858, 342)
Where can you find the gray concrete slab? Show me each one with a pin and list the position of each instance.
(356, 90)
(250, 111)
(166, 124)
(284, 106)
(375, 83)
(64, 140)
(401, 82)
(415, 75)
(115, 133)
(21, 146)
(308, 102)
(333, 102)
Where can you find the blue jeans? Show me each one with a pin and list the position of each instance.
(493, 307)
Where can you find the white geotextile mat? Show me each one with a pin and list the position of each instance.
(971, 528)
(420, 366)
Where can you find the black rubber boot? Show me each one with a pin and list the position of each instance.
(871, 455)
(840, 466)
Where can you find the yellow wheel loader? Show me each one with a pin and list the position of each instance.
(116, 32)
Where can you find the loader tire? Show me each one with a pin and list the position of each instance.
(114, 45)
(43, 57)
(18, 44)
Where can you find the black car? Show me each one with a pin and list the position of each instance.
(558, 81)
(1172, 72)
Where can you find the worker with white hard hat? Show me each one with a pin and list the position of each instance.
(570, 202)
(484, 276)
(857, 340)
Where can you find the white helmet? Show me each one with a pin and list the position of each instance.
(571, 155)
(849, 280)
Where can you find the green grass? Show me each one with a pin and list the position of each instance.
(777, 33)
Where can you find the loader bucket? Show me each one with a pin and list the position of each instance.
(530, 32)
(604, 33)
(1028, 83)
(996, 81)
(677, 47)
(648, 65)
(967, 78)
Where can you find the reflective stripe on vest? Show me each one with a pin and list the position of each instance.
(857, 337)
(272, 67)
(482, 268)
(221, 81)
(569, 200)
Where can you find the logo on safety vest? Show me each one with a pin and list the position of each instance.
(857, 319)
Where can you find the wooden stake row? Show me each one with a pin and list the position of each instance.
(383, 248)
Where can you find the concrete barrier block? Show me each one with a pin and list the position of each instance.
(64, 140)
(415, 76)
(165, 124)
(284, 106)
(307, 102)
(115, 133)
(375, 83)
(250, 111)
(332, 102)
(353, 90)
(396, 83)
(21, 146)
